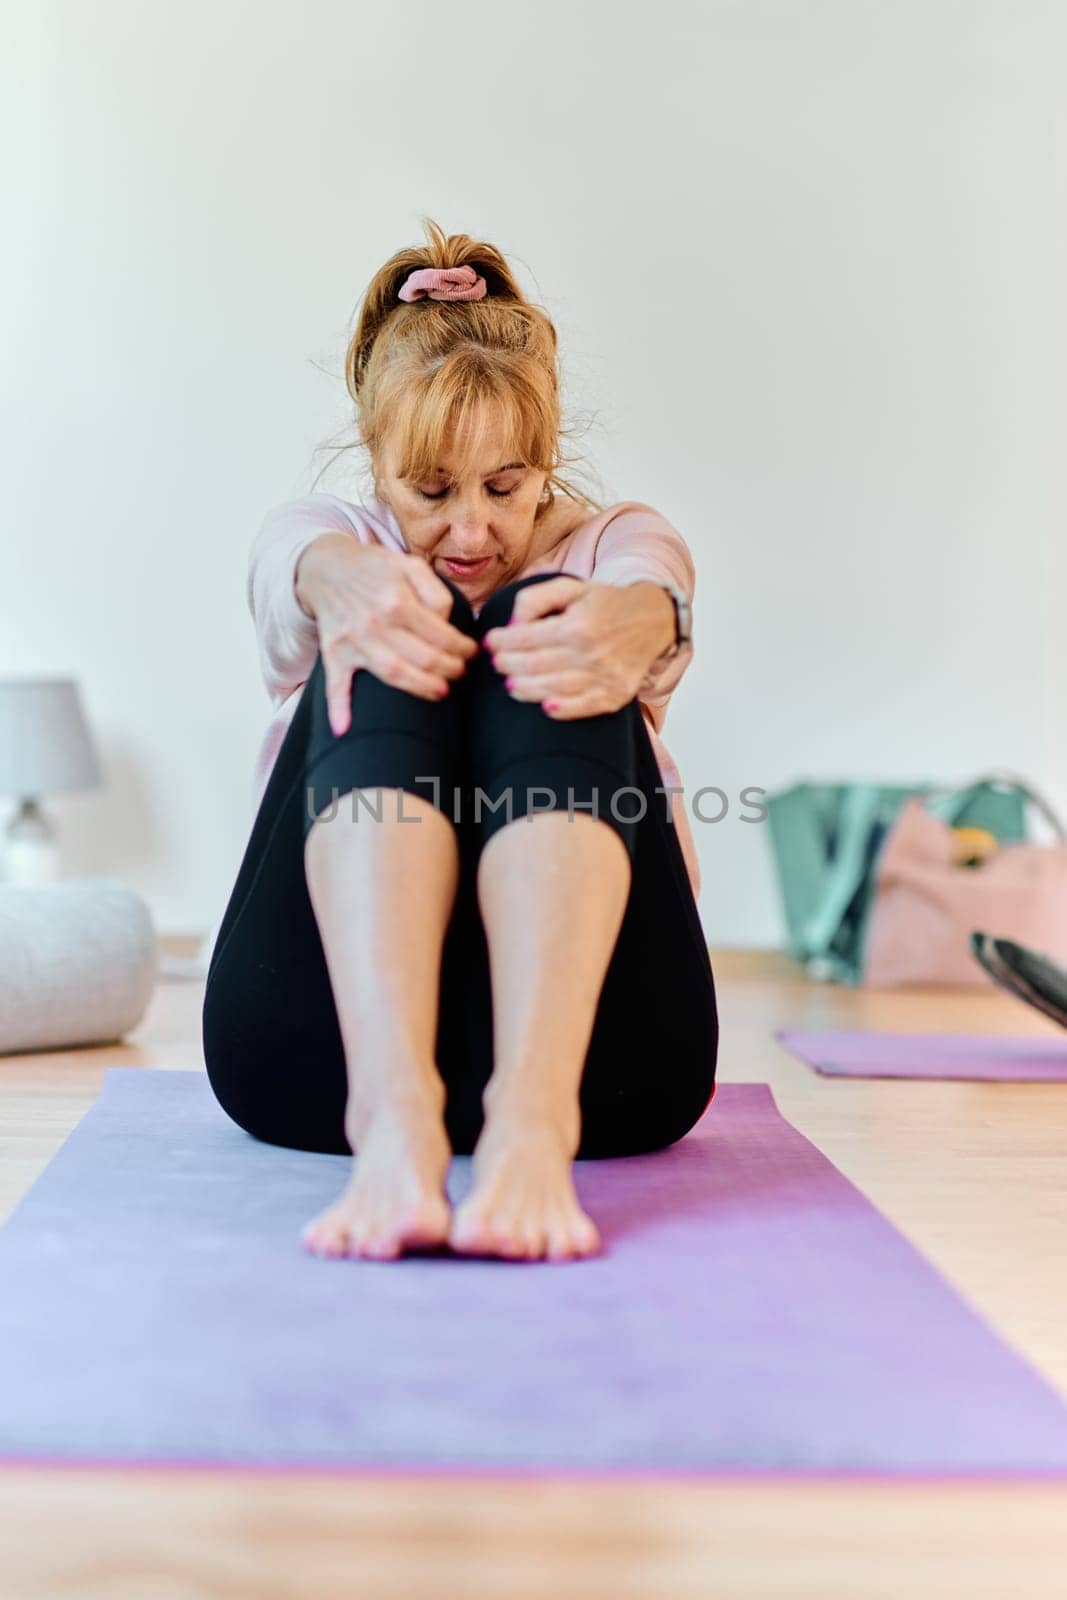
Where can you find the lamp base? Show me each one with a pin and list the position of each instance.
(31, 849)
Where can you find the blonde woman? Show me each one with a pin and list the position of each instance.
(464, 920)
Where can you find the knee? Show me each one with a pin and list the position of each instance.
(643, 1128)
(497, 609)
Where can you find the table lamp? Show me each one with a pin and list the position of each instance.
(45, 748)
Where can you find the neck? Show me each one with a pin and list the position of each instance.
(559, 520)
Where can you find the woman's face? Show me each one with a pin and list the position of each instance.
(472, 520)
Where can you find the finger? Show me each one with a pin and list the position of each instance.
(431, 589)
(567, 708)
(556, 685)
(538, 599)
(413, 648)
(538, 615)
(406, 613)
(420, 619)
(437, 598)
(533, 663)
(544, 633)
(339, 671)
(391, 667)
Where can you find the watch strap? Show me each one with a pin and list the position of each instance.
(682, 634)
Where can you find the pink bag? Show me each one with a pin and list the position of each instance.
(926, 905)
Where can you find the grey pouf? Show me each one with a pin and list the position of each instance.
(78, 963)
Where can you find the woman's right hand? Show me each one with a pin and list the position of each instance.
(382, 609)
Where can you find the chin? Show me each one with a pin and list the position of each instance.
(476, 593)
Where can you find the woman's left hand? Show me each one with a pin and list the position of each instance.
(579, 647)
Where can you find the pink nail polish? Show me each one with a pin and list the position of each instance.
(550, 705)
(509, 683)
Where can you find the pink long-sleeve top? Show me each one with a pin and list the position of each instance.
(624, 543)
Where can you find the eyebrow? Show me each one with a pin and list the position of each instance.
(507, 467)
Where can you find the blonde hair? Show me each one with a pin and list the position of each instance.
(419, 370)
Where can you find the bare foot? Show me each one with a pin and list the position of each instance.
(523, 1205)
(395, 1197)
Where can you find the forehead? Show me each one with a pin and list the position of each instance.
(481, 446)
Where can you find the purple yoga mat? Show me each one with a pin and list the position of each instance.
(752, 1312)
(993, 1058)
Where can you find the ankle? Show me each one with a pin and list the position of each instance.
(530, 1109)
(413, 1105)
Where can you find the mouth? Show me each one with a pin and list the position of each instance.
(459, 567)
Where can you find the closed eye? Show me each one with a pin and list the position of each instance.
(497, 494)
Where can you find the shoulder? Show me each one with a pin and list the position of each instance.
(629, 523)
(635, 515)
(624, 520)
(632, 539)
(292, 523)
(587, 517)
(586, 527)
(331, 510)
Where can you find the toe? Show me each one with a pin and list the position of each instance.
(511, 1234)
(325, 1236)
(585, 1235)
(561, 1244)
(384, 1247)
(534, 1239)
(428, 1225)
(476, 1233)
(468, 1226)
(371, 1245)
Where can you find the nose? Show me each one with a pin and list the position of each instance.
(470, 535)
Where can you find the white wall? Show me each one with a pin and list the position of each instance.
(807, 262)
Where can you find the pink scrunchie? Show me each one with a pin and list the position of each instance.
(443, 283)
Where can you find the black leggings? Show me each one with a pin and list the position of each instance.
(272, 1042)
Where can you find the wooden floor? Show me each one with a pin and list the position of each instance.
(975, 1175)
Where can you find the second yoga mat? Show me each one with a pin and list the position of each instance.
(980, 1058)
(752, 1311)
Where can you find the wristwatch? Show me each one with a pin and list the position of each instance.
(683, 634)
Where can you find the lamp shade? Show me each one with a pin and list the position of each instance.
(45, 744)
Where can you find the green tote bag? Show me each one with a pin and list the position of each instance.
(827, 838)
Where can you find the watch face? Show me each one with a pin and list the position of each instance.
(683, 620)
(684, 612)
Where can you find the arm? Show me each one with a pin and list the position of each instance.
(286, 632)
(640, 548)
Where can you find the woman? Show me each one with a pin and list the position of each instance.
(465, 916)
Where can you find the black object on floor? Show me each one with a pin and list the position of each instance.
(1024, 973)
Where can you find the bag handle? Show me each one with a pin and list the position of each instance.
(999, 775)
